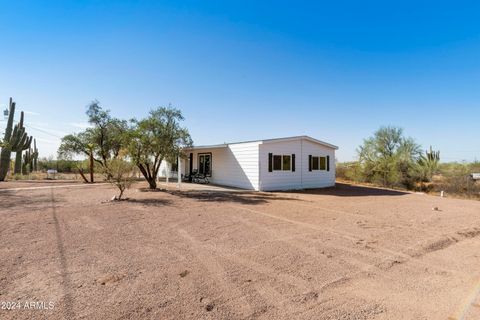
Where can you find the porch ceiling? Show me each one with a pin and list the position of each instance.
(216, 146)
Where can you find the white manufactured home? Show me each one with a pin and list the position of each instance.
(264, 165)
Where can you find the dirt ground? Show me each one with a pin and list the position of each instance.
(340, 253)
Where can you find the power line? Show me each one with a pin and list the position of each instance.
(43, 131)
(38, 129)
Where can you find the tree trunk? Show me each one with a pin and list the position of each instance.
(91, 166)
(80, 171)
(18, 163)
(152, 183)
(121, 194)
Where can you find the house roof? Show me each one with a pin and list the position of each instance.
(224, 145)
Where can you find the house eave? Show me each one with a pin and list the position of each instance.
(308, 138)
(264, 141)
(215, 146)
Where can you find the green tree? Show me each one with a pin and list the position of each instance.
(100, 143)
(156, 138)
(107, 134)
(389, 158)
(78, 144)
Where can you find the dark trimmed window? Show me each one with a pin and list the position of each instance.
(286, 163)
(281, 162)
(277, 163)
(318, 163)
(323, 163)
(315, 163)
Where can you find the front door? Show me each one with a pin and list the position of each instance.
(205, 164)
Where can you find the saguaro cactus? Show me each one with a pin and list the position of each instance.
(429, 163)
(27, 164)
(21, 142)
(6, 147)
(34, 156)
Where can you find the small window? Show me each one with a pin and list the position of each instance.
(282, 162)
(277, 162)
(323, 163)
(286, 163)
(319, 163)
(315, 163)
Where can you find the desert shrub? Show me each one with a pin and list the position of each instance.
(455, 179)
(119, 173)
(64, 166)
(389, 159)
(341, 170)
(349, 171)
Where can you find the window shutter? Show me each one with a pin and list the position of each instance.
(270, 159)
(328, 163)
(293, 162)
(310, 163)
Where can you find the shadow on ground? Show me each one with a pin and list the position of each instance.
(348, 190)
(15, 200)
(64, 271)
(149, 202)
(13, 184)
(235, 197)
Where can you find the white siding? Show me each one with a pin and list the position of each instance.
(163, 170)
(317, 178)
(245, 165)
(235, 166)
(301, 178)
(280, 180)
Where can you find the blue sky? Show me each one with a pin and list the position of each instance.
(243, 70)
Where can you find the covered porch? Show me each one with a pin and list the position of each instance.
(224, 165)
(201, 161)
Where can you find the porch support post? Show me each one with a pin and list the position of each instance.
(167, 171)
(179, 172)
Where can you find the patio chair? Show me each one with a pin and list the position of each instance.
(201, 178)
(189, 177)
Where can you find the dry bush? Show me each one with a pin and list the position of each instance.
(120, 173)
(349, 171)
(455, 179)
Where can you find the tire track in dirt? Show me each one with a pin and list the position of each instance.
(284, 302)
(445, 241)
(395, 257)
(308, 293)
(272, 297)
(305, 290)
(356, 215)
(66, 281)
(215, 269)
(268, 293)
(299, 245)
